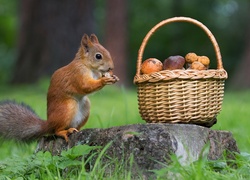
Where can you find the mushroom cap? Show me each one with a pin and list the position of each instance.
(151, 65)
(174, 62)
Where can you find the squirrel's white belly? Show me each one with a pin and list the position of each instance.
(82, 111)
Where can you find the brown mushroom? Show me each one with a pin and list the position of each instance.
(174, 62)
(151, 65)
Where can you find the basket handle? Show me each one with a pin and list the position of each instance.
(179, 19)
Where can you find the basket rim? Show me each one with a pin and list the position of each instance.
(178, 19)
(166, 75)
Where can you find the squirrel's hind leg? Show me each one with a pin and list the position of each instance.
(65, 133)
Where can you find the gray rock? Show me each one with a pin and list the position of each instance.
(151, 144)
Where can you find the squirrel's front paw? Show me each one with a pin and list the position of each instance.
(116, 78)
(110, 80)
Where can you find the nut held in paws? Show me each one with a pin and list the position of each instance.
(107, 74)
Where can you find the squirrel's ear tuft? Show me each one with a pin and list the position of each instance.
(94, 38)
(86, 42)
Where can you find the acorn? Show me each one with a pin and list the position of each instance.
(151, 65)
(174, 62)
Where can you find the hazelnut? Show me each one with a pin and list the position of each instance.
(108, 74)
(191, 57)
(174, 62)
(204, 60)
(198, 66)
(151, 65)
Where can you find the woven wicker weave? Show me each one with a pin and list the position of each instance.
(180, 96)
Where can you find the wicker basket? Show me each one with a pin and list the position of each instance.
(180, 96)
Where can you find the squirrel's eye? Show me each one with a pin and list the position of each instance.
(98, 56)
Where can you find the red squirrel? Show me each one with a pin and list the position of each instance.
(68, 106)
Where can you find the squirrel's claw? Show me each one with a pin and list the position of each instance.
(110, 80)
(72, 130)
(116, 78)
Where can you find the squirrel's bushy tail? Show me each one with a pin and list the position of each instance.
(19, 122)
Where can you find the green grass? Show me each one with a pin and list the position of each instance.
(235, 117)
(115, 106)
